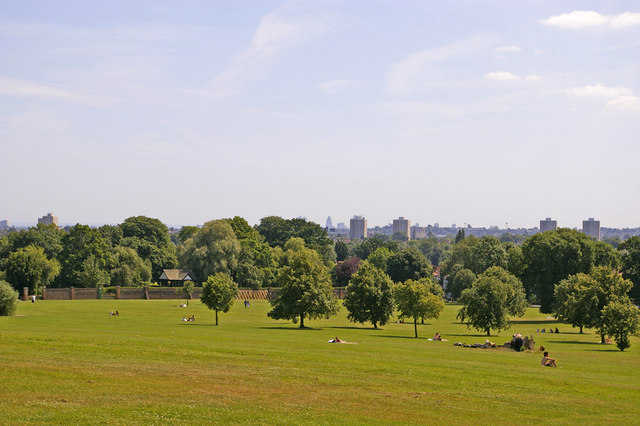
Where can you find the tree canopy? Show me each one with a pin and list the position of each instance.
(630, 261)
(369, 296)
(219, 292)
(415, 299)
(306, 290)
(408, 264)
(29, 267)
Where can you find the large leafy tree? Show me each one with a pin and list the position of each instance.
(460, 281)
(29, 267)
(494, 296)
(150, 238)
(433, 248)
(342, 250)
(256, 264)
(630, 250)
(610, 287)
(91, 273)
(364, 249)
(552, 256)
(344, 270)
(78, 245)
(415, 299)
(47, 237)
(306, 290)
(369, 296)
(8, 299)
(573, 301)
(408, 264)
(129, 270)
(213, 249)
(219, 292)
(488, 252)
(621, 320)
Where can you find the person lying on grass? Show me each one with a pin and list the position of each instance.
(548, 362)
(339, 340)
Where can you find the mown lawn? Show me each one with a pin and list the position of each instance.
(71, 362)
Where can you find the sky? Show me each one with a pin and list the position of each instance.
(482, 113)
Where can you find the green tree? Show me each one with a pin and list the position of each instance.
(187, 232)
(408, 264)
(256, 265)
(621, 321)
(369, 296)
(91, 274)
(573, 301)
(459, 236)
(306, 290)
(489, 251)
(150, 238)
(187, 290)
(111, 233)
(129, 270)
(380, 258)
(213, 249)
(342, 250)
(610, 287)
(343, 271)
(78, 245)
(494, 296)
(8, 299)
(370, 245)
(219, 292)
(461, 280)
(29, 267)
(630, 259)
(47, 237)
(415, 300)
(552, 256)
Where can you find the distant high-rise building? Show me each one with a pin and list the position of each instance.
(48, 219)
(592, 228)
(329, 223)
(4, 224)
(548, 225)
(402, 226)
(418, 232)
(358, 228)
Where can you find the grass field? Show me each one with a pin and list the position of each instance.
(71, 362)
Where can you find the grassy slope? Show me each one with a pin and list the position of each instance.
(70, 362)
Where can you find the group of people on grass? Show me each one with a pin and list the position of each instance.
(191, 318)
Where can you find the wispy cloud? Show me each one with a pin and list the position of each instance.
(405, 75)
(508, 49)
(333, 87)
(619, 98)
(28, 89)
(277, 31)
(625, 103)
(508, 76)
(590, 19)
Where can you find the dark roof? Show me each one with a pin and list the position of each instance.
(176, 275)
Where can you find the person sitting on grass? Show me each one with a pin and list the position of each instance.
(548, 362)
(437, 336)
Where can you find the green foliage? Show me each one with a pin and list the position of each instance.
(343, 271)
(369, 296)
(416, 300)
(219, 292)
(187, 232)
(47, 237)
(459, 236)
(574, 302)
(341, 249)
(91, 274)
(78, 245)
(364, 249)
(112, 233)
(213, 249)
(552, 256)
(8, 299)
(256, 264)
(150, 239)
(433, 249)
(380, 257)
(494, 296)
(460, 281)
(187, 289)
(408, 264)
(29, 267)
(621, 321)
(630, 259)
(129, 270)
(488, 252)
(306, 290)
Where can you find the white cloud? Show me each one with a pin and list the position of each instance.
(28, 89)
(508, 49)
(598, 90)
(408, 73)
(625, 103)
(591, 19)
(275, 33)
(532, 77)
(335, 86)
(501, 76)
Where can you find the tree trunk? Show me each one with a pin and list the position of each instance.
(488, 332)
(301, 320)
(415, 327)
(601, 337)
(216, 317)
(375, 325)
(580, 329)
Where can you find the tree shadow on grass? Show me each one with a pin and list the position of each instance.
(575, 342)
(282, 327)
(609, 349)
(402, 337)
(354, 328)
(479, 336)
(542, 321)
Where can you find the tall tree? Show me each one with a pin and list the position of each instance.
(306, 290)
(621, 320)
(489, 251)
(573, 301)
(78, 245)
(150, 238)
(129, 270)
(219, 292)
(29, 267)
(342, 250)
(408, 264)
(8, 299)
(91, 274)
(369, 296)
(343, 271)
(630, 259)
(213, 249)
(462, 280)
(494, 296)
(256, 264)
(415, 300)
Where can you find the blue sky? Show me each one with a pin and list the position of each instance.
(459, 112)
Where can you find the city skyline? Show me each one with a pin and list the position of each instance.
(484, 113)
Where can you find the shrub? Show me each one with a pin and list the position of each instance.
(8, 299)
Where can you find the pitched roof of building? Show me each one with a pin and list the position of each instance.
(175, 275)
